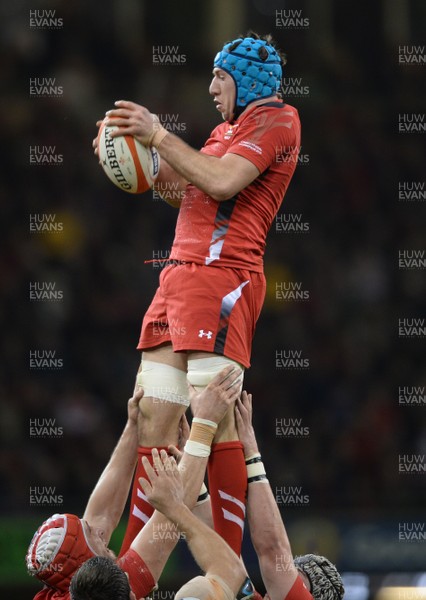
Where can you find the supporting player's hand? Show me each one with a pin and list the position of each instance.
(133, 406)
(164, 486)
(133, 119)
(243, 420)
(214, 400)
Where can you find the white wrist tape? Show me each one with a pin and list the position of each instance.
(250, 458)
(197, 449)
(205, 422)
(255, 468)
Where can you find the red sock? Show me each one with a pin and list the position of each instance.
(140, 509)
(228, 490)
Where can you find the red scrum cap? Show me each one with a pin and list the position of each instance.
(58, 548)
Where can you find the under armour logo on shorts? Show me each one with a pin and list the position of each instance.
(203, 333)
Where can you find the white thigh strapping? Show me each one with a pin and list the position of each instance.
(163, 382)
(202, 370)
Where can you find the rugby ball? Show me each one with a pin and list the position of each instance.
(131, 166)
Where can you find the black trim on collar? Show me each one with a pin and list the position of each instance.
(276, 104)
(272, 104)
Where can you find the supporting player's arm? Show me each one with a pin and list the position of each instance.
(165, 491)
(220, 178)
(267, 530)
(107, 501)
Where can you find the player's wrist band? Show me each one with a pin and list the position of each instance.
(255, 468)
(200, 438)
(204, 422)
(203, 495)
(157, 136)
(197, 449)
(253, 458)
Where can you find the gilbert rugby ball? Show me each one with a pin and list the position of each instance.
(131, 166)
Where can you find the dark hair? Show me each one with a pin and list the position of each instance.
(100, 578)
(269, 40)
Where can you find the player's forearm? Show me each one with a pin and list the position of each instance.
(154, 548)
(210, 551)
(193, 469)
(149, 544)
(205, 172)
(267, 530)
(203, 512)
(109, 496)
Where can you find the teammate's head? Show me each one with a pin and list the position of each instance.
(198, 588)
(325, 580)
(100, 578)
(58, 548)
(255, 66)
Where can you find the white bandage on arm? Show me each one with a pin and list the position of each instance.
(202, 370)
(200, 437)
(205, 587)
(163, 382)
(255, 469)
(197, 449)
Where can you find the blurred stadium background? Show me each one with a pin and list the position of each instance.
(359, 401)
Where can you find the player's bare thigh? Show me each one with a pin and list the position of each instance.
(159, 418)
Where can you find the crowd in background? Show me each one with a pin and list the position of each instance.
(346, 191)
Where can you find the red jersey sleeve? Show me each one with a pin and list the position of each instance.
(267, 132)
(140, 578)
(299, 591)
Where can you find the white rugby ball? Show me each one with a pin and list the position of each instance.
(131, 166)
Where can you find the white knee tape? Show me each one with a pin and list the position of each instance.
(163, 382)
(202, 370)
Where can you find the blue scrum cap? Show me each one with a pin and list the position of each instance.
(254, 65)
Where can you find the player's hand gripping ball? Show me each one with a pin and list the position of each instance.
(131, 166)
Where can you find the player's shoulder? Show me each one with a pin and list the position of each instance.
(268, 115)
(220, 129)
(276, 109)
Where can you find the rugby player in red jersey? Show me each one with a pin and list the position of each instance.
(211, 293)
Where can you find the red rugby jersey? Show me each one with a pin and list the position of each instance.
(299, 591)
(233, 233)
